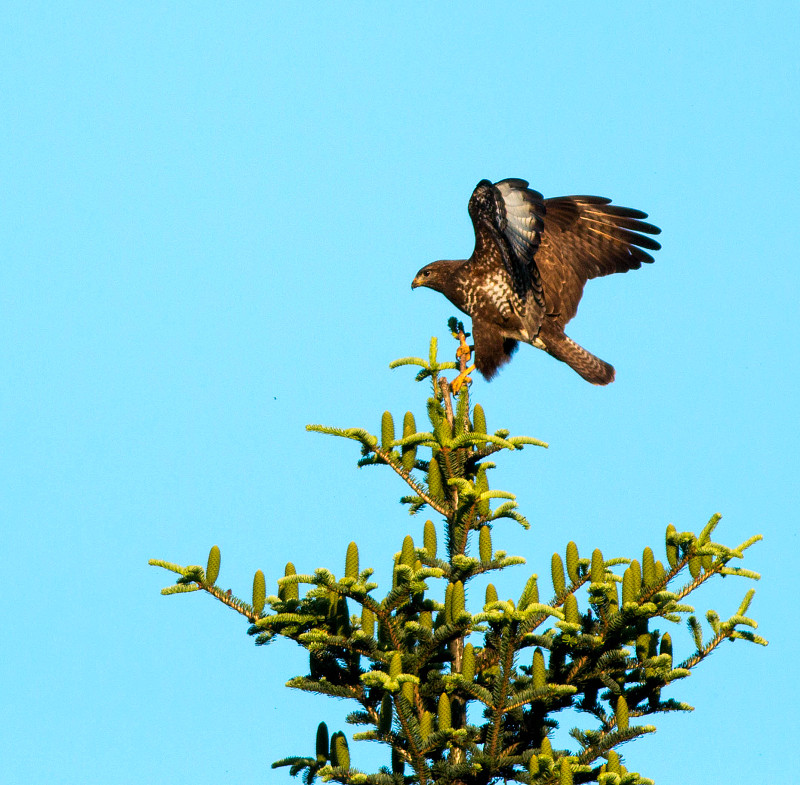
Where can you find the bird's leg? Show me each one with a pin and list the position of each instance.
(463, 353)
(461, 379)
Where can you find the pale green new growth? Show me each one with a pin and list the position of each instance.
(557, 573)
(572, 561)
(413, 658)
(351, 562)
(259, 592)
(212, 568)
(444, 712)
(429, 539)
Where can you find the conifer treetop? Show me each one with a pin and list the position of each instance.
(465, 693)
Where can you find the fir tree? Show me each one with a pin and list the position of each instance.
(468, 695)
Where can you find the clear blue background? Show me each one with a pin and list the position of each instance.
(211, 217)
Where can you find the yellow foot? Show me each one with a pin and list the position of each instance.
(461, 379)
(463, 350)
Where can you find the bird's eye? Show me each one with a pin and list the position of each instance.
(426, 273)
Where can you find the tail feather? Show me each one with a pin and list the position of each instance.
(591, 368)
(492, 349)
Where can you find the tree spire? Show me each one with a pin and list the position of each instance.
(464, 692)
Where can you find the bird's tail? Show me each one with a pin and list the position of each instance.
(591, 368)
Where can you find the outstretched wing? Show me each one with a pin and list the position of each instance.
(586, 237)
(508, 215)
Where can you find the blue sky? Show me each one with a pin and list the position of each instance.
(212, 216)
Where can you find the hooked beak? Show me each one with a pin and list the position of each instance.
(416, 282)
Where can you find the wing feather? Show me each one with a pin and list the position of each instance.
(508, 221)
(587, 237)
(515, 213)
(596, 237)
(520, 210)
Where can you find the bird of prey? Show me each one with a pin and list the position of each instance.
(526, 275)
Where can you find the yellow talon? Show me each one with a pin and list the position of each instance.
(462, 378)
(463, 353)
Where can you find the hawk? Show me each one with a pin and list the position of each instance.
(526, 275)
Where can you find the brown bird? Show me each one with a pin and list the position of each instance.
(526, 275)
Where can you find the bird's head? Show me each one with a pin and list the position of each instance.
(435, 275)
